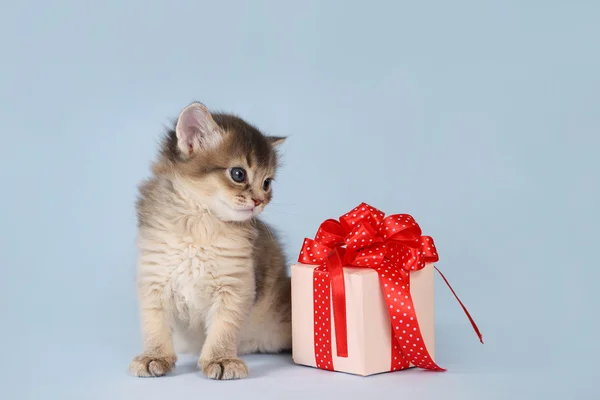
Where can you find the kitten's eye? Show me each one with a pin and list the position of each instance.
(238, 174)
(266, 184)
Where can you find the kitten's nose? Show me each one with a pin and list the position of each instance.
(257, 202)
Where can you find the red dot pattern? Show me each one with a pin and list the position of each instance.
(400, 226)
(398, 361)
(322, 314)
(330, 232)
(408, 339)
(313, 252)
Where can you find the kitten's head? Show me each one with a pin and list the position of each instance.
(227, 164)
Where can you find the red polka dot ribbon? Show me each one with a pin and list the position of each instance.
(393, 246)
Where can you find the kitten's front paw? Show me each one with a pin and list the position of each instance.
(224, 368)
(151, 365)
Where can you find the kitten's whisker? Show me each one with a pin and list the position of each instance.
(282, 204)
(284, 212)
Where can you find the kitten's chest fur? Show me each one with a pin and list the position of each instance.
(196, 256)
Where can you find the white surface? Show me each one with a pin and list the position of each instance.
(500, 369)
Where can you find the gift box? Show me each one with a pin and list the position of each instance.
(363, 295)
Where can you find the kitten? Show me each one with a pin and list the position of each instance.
(211, 277)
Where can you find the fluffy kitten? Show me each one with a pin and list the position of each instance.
(211, 277)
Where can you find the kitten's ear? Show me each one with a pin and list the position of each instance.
(196, 129)
(276, 140)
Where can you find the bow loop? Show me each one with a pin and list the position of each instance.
(313, 252)
(428, 249)
(400, 227)
(330, 233)
(363, 213)
(363, 235)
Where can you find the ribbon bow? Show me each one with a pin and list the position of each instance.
(393, 246)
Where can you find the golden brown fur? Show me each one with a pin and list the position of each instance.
(211, 276)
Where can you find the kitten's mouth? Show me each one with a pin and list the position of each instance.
(243, 212)
(243, 209)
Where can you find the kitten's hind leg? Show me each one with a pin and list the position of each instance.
(269, 327)
(158, 357)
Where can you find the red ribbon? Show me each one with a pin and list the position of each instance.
(393, 246)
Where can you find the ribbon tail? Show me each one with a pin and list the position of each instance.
(321, 325)
(338, 298)
(405, 326)
(462, 305)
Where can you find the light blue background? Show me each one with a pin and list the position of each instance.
(479, 118)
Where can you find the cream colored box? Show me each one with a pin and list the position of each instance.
(368, 321)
